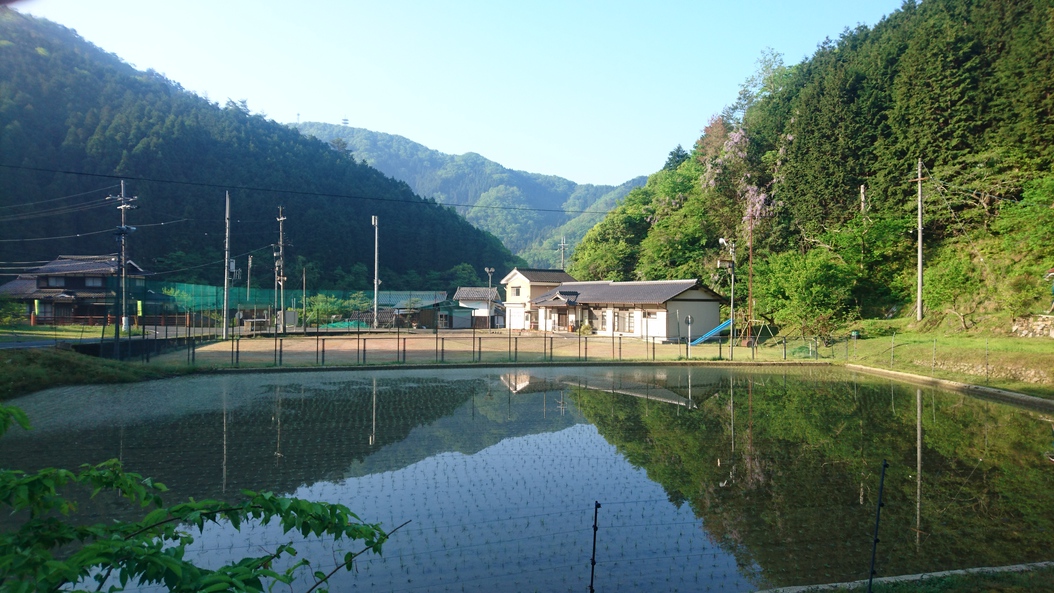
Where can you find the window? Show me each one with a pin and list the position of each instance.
(515, 291)
(603, 321)
(93, 282)
(56, 281)
(630, 321)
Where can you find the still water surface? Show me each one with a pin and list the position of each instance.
(708, 479)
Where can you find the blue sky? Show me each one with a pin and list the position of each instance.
(597, 92)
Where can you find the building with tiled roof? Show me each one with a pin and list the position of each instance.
(73, 288)
(485, 304)
(522, 286)
(654, 310)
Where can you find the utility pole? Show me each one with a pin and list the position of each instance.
(376, 280)
(122, 233)
(248, 278)
(490, 272)
(227, 266)
(279, 268)
(563, 245)
(918, 273)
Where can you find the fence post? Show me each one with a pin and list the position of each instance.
(878, 517)
(593, 559)
(404, 350)
(237, 351)
(281, 344)
(620, 348)
(892, 345)
(364, 351)
(587, 348)
(324, 351)
(442, 349)
(516, 352)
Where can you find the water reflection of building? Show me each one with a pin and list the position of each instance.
(524, 382)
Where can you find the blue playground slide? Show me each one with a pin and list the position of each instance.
(711, 333)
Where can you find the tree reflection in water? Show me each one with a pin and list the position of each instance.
(707, 476)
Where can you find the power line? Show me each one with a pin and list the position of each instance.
(211, 263)
(87, 234)
(53, 211)
(299, 192)
(107, 188)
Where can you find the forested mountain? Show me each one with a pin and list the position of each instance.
(812, 173)
(529, 212)
(74, 120)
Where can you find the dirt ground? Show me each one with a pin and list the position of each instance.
(450, 346)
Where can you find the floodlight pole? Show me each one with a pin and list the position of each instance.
(227, 266)
(376, 259)
(489, 272)
(731, 265)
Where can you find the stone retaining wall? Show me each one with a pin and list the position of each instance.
(1038, 326)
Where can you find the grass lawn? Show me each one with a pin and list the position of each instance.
(1016, 364)
(27, 370)
(36, 333)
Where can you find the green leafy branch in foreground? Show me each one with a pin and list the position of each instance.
(48, 552)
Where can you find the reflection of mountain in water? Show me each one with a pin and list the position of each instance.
(276, 432)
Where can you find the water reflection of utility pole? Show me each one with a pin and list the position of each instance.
(224, 486)
(689, 389)
(863, 462)
(732, 412)
(918, 466)
(276, 419)
(373, 426)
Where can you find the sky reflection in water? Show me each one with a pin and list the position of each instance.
(709, 479)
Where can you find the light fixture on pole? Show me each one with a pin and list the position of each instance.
(730, 264)
(489, 272)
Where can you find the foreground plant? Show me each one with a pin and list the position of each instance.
(49, 552)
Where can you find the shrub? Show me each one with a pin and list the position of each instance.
(50, 552)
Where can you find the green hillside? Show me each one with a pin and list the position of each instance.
(966, 86)
(528, 211)
(75, 120)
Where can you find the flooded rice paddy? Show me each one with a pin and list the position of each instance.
(708, 479)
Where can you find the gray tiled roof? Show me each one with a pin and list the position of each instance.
(476, 293)
(603, 292)
(400, 299)
(25, 285)
(545, 276)
(83, 265)
(20, 287)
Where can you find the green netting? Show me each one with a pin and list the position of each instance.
(183, 297)
(347, 325)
